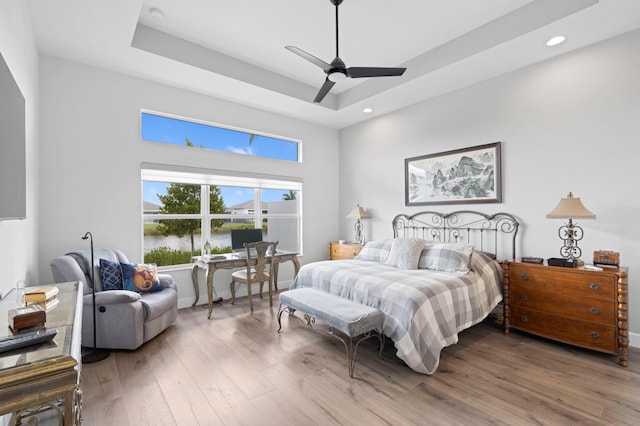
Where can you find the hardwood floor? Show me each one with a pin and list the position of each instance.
(235, 369)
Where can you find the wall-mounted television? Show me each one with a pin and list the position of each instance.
(13, 187)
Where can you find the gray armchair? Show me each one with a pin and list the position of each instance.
(124, 319)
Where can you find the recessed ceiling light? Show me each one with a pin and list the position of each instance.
(156, 13)
(367, 110)
(553, 41)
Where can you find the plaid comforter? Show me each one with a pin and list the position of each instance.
(424, 309)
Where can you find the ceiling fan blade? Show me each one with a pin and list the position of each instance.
(328, 84)
(309, 57)
(361, 72)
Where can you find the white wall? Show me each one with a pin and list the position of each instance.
(91, 155)
(18, 238)
(568, 124)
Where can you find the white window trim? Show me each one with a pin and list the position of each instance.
(221, 126)
(152, 172)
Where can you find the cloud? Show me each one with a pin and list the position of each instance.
(237, 150)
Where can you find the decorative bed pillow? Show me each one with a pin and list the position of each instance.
(140, 278)
(375, 251)
(110, 275)
(405, 253)
(446, 257)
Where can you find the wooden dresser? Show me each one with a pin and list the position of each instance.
(339, 251)
(575, 306)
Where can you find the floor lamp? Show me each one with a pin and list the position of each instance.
(95, 355)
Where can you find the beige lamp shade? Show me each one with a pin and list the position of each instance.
(570, 208)
(357, 213)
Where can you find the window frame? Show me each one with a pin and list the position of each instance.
(206, 178)
(223, 127)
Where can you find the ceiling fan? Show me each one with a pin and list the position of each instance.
(337, 70)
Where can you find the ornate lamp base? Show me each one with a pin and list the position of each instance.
(570, 234)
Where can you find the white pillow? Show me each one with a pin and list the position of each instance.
(446, 257)
(375, 251)
(405, 253)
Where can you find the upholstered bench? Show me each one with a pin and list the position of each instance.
(351, 318)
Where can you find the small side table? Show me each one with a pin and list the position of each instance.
(342, 251)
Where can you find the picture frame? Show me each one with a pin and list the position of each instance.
(461, 176)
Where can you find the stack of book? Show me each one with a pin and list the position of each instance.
(44, 297)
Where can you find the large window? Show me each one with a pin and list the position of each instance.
(186, 211)
(191, 133)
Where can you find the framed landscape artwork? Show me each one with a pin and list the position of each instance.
(467, 175)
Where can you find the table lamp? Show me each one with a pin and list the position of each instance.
(358, 213)
(570, 208)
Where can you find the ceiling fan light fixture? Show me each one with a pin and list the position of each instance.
(337, 76)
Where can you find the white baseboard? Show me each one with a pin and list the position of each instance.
(634, 340)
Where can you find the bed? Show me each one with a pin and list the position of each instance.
(437, 276)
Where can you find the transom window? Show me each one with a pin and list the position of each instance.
(192, 133)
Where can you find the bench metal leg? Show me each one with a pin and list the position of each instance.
(350, 347)
(281, 311)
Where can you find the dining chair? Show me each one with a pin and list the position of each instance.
(259, 270)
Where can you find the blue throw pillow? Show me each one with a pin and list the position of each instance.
(110, 275)
(140, 278)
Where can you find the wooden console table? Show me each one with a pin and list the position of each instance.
(228, 261)
(34, 379)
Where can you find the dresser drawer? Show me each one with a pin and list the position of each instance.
(581, 308)
(569, 330)
(565, 281)
(339, 251)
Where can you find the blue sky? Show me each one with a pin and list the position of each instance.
(169, 130)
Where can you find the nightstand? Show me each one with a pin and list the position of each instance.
(572, 305)
(342, 251)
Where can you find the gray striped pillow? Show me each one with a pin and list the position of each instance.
(444, 257)
(375, 251)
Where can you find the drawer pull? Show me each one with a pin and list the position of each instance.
(594, 286)
(593, 310)
(524, 277)
(595, 335)
(524, 318)
(524, 297)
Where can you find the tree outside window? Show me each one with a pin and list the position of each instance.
(185, 199)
